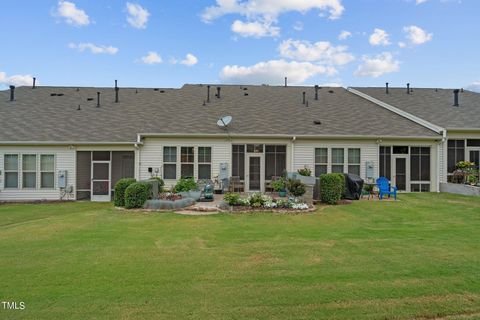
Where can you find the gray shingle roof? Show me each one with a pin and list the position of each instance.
(267, 110)
(433, 105)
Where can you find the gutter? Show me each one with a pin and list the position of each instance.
(398, 111)
(63, 143)
(289, 136)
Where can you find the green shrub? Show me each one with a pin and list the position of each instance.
(332, 186)
(231, 198)
(256, 199)
(305, 172)
(185, 185)
(296, 187)
(119, 194)
(279, 184)
(136, 195)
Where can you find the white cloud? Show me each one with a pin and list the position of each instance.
(402, 44)
(72, 14)
(379, 37)
(137, 15)
(417, 35)
(95, 49)
(420, 1)
(273, 72)
(322, 52)
(344, 35)
(151, 58)
(475, 86)
(377, 65)
(16, 80)
(190, 60)
(255, 29)
(271, 9)
(298, 26)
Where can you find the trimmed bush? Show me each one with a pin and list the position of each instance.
(136, 195)
(231, 198)
(119, 194)
(332, 186)
(161, 183)
(185, 185)
(296, 187)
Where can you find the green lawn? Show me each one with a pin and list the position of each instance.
(415, 258)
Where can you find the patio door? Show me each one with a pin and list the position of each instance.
(400, 173)
(101, 181)
(255, 174)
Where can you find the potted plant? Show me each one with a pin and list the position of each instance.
(305, 171)
(280, 186)
(296, 187)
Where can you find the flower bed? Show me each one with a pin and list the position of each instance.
(262, 202)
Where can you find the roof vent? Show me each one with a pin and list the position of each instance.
(79, 108)
(34, 80)
(12, 93)
(136, 91)
(408, 88)
(455, 97)
(116, 91)
(156, 89)
(303, 94)
(286, 81)
(331, 91)
(386, 87)
(218, 92)
(245, 94)
(316, 92)
(208, 94)
(162, 91)
(89, 99)
(60, 94)
(317, 122)
(53, 94)
(98, 99)
(245, 89)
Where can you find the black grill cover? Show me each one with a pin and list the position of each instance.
(353, 186)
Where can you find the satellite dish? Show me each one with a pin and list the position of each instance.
(224, 121)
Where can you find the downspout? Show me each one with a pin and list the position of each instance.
(293, 152)
(137, 156)
(444, 138)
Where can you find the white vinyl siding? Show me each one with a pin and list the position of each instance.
(151, 155)
(64, 160)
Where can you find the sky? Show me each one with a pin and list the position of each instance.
(164, 43)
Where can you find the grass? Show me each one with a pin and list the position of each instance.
(414, 258)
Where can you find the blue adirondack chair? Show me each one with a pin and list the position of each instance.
(384, 188)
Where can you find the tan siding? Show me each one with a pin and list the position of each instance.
(64, 160)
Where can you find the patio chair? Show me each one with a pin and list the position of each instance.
(236, 184)
(384, 188)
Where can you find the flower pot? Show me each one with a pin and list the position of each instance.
(282, 193)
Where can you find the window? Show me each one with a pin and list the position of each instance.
(385, 162)
(238, 161)
(354, 161)
(321, 161)
(417, 187)
(255, 148)
(204, 162)
(47, 171)
(275, 161)
(187, 159)
(29, 171)
(455, 154)
(338, 160)
(400, 150)
(170, 162)
(11, 171)
(473, 143)
(420, 164)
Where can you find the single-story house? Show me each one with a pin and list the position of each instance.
(76, 143)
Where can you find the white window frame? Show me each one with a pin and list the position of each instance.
(337, 163)
(47, 171)
(11, 171)
(170, 162)
(35, 171)
(203, 162)
(359, 164)
(326, 164)
(187, 162)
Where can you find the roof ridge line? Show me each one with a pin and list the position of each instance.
(407, 115)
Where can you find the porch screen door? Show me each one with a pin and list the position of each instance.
(254, 177)
(401, 173)
(101, 181)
